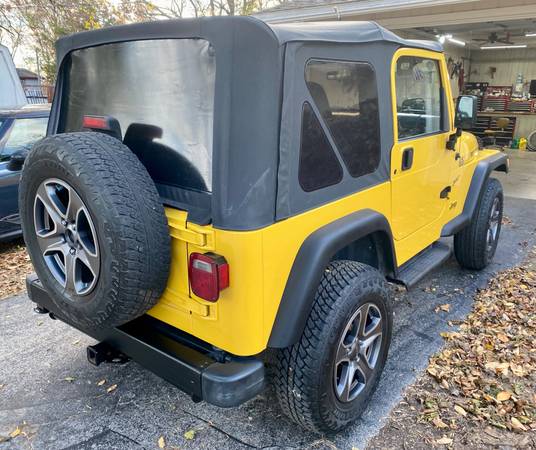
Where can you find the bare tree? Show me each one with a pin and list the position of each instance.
(11, 28)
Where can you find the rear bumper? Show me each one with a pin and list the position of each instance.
(173, 355)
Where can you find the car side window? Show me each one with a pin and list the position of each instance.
(346, 96)
(418, 96)
(22, 135)
(319, 166)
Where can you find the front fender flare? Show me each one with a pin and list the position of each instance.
(482, 171)
(312, 259)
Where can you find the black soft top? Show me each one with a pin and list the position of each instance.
(337, 32)
(252, 186)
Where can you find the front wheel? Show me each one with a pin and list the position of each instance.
(475, 245)
(324, 381)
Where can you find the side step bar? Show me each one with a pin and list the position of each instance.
(185, 361)
(422, 264)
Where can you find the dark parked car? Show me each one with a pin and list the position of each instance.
(19, 130)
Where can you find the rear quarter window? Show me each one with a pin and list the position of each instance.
(346, 95)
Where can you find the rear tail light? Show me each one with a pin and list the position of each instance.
(209, 274)
(104, 124)
(96, 123)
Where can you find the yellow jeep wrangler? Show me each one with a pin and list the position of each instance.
(215, 196)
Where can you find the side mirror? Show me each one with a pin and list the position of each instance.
(16, 161)
(466, 112)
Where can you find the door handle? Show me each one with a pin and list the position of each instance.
(407, 158)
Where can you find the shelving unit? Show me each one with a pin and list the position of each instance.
(489, 122)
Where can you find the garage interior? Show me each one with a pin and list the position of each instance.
(490, 47)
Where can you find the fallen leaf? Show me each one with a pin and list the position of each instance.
(439, 423)
(161, 442)
(444, 441)
(101, 382)
(190, 434)
(69, 379)
(517, 425)
(460, 410)
(18, 431)
(76, 342)
(503, 396)
(112, 388)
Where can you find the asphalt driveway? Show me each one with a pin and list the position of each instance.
(53, 395)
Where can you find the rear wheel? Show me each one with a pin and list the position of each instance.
(324, 381)
(475, 245)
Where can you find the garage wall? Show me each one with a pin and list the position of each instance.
(508, 63)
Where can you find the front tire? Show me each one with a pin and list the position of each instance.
(475, 245)
(324, 381)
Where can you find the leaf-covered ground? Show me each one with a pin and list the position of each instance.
(14, 266)
(480, 390)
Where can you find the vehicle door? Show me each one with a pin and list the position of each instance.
(15, 135)
(422, 167)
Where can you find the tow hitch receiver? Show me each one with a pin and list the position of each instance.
(102, 352)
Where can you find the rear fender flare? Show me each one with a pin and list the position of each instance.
(312, 259)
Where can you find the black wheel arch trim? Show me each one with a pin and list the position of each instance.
(498, 162)
(312, 259)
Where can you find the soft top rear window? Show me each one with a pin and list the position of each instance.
(162, 94)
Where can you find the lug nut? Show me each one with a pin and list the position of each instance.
(72, 251)
(64, 223)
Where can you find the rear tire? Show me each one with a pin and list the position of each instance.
(310, 376)
(475, 245)
(95, 229)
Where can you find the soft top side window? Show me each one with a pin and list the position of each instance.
(319, 166)
(346, 96)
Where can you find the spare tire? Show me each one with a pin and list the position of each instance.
(95, 228)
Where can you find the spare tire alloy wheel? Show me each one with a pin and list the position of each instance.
(95, 229)
(357, 352)
(66, 236)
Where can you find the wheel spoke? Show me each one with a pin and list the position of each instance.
(52, 243)
(374, 329)
(89, 260)
(362, 317)
(347, 378)
(75, 205)
(70, 268)
(50, 204)
(342, 354)
(86, 232)
(363, 367)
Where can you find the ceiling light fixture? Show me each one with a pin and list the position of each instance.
(456, 41)
(448, 37)
(496, 47)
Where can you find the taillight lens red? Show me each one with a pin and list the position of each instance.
(209, 274)
(96, 123)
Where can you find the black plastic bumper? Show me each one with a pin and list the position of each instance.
(181, 359)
